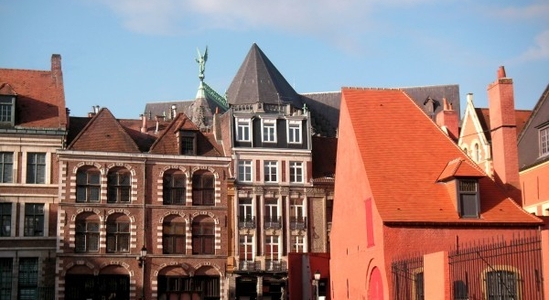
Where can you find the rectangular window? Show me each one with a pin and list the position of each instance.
(271, 247)
(187, 140)
(272, 216)
(28, 278)
(36, 167)
(173, 238)
(5, 219)
(297, 216)
(34, 219)
(298, 243)
(245, 214)
(296, 172)
(87, 185)
(6, 273)
(203, 237)
(243, 130)
(271, 171)
(87, 236)
(6, 167)
(118, 237)
(7, 109)
(468, 198)
(246, 247)
(544, 141)
(245, 170)
(294, 132)
(269, 131)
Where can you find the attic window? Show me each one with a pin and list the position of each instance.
(544, 141)
(7, 110)
(187, 142)
(468, 198)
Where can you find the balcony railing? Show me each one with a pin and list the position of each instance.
(272, 223)
(246, 222)
(249, 265)
(298, 223)
(275, 266)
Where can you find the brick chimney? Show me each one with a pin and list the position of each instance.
(448, 118)
(504, 134)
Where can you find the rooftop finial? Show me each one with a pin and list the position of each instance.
(201, 60)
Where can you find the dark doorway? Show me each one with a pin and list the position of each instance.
(101, 287)
(246, 288)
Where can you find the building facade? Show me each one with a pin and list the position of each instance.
(143, 213)
(33, 125)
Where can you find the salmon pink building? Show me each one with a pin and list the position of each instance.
(405, 189)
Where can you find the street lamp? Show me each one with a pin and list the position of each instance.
(316, 280)
(142, 257)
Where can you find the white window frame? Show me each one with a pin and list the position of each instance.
(243, 129)
(245, 170)
(298, 244)
(268, 130)
(544, 141)
(248, 241)
(296, 170)
(294, 132)
(273, 209)
(270, 242)
(270, 169)
(246, 207)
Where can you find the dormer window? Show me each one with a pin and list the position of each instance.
(468, 198)
(269, 130)
(544, 141)
(187, 142)
(7, 110)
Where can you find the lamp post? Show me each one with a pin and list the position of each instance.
(142, 257)
(316, 281)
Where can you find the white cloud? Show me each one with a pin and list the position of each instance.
(540, 50)
(538, 10)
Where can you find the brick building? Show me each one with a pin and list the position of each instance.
(33, 125)
(143, 210)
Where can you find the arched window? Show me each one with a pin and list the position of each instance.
(203, 188)
(477, 153)
(174, 187)
(203, 235)
(118, 234)
(173, 235)
(88, 184)
(501, 284)
(118, 185)
(87, 233)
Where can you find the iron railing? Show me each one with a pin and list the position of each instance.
(298, 223)
(246, 222)
(498, 268)
(272, 223)
(408, 278)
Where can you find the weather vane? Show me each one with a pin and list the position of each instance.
(201, 60)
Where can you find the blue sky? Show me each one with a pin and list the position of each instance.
(122, 54)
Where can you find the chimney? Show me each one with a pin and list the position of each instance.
(144, 124)
(56, 72)
(448, 118)
(504, 134)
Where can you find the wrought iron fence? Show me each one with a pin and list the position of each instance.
(499, 268)
(408, 278)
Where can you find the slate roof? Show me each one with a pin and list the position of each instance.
(40, 96)
(403, 159)
(528, 138)
(324, 153)
(259, 81)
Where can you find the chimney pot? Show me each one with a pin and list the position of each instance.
(501, 72)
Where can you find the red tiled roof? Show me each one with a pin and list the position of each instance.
(104, 133)
(460, 168)
(40, 96)
(404, 153)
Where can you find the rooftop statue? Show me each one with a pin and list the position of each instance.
(201, 60)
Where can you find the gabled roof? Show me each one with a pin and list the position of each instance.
(404, 153)
(483, 114)
(103, 133)
(528, 138)
(259, 81)
(168, 143)
(40, 96)
(460, 168)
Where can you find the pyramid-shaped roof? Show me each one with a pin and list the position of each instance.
(259, 81)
